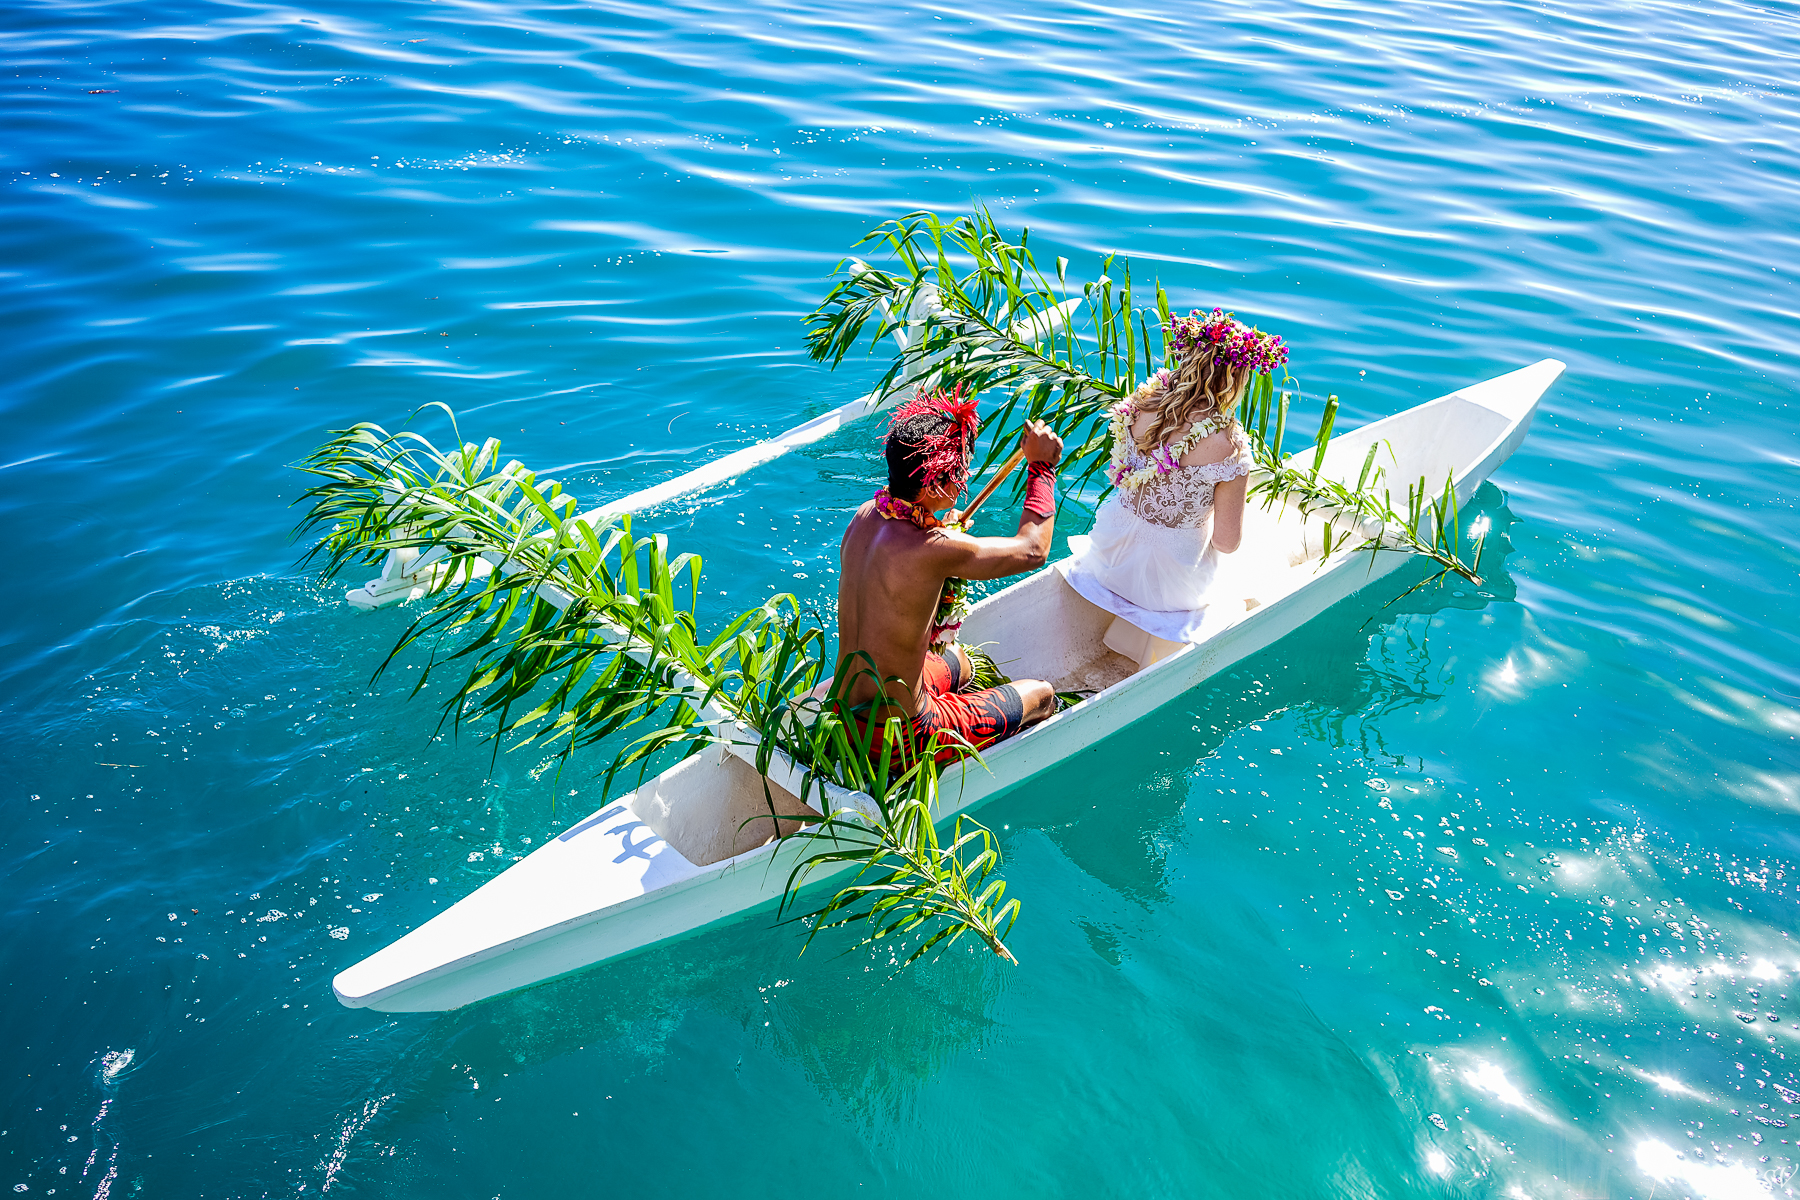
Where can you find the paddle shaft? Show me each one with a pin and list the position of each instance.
(981, 498)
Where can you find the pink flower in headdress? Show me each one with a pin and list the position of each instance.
(1239, 343)
(946, 454)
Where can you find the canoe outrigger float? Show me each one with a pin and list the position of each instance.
(686, 850)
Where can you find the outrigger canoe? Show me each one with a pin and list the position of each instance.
(686, 851)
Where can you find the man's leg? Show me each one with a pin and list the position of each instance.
(987, 716)
(958, 673)
(1039, 698)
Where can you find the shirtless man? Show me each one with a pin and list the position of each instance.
(895, 557)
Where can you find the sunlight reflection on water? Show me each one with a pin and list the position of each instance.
(591, 231)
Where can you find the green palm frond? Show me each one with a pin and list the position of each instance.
(978, 312)
(907, 882)
(560, 633)
(1365, 512)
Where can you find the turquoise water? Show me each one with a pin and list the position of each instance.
(590, 230)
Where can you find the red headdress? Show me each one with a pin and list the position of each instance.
(945, 455)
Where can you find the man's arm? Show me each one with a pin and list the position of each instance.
(968, 557)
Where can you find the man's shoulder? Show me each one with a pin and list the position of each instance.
(903, 538)
(943, 548)
(865, 523)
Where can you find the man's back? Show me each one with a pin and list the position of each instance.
(889, 581)
(893, 561)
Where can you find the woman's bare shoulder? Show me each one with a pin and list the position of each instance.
(1213, 448)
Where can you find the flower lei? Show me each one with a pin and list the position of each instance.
(953, 602)
(893, 508)
(1218, 331)
(1164, 458)
(952, 610)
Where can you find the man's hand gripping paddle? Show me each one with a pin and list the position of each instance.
(1040, 489)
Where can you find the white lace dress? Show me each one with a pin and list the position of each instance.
(1150, 557)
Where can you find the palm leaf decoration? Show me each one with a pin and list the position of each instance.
(561, 633)
(977, 310)
(1001, 326)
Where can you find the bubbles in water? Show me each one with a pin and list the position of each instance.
(113, 1062)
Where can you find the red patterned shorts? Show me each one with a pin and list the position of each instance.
(982, 717)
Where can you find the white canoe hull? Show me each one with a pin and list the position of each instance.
(665, 861)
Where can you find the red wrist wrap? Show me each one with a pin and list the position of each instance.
(1040, 489)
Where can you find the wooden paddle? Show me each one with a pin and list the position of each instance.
(981, 498)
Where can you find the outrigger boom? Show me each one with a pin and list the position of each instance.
(407, 575)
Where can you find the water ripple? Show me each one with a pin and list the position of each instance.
(590, 230)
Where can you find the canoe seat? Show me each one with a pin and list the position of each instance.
(1141, 647)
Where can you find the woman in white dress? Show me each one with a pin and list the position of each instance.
(1180, 468)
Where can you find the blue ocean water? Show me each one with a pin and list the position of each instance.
(1246, 969)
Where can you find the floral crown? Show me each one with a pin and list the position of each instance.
(1226, 335)
(944, 455)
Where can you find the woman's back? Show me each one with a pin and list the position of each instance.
(1187, 469)
(1180, 472)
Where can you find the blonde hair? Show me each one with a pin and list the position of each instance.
(1205, 383)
